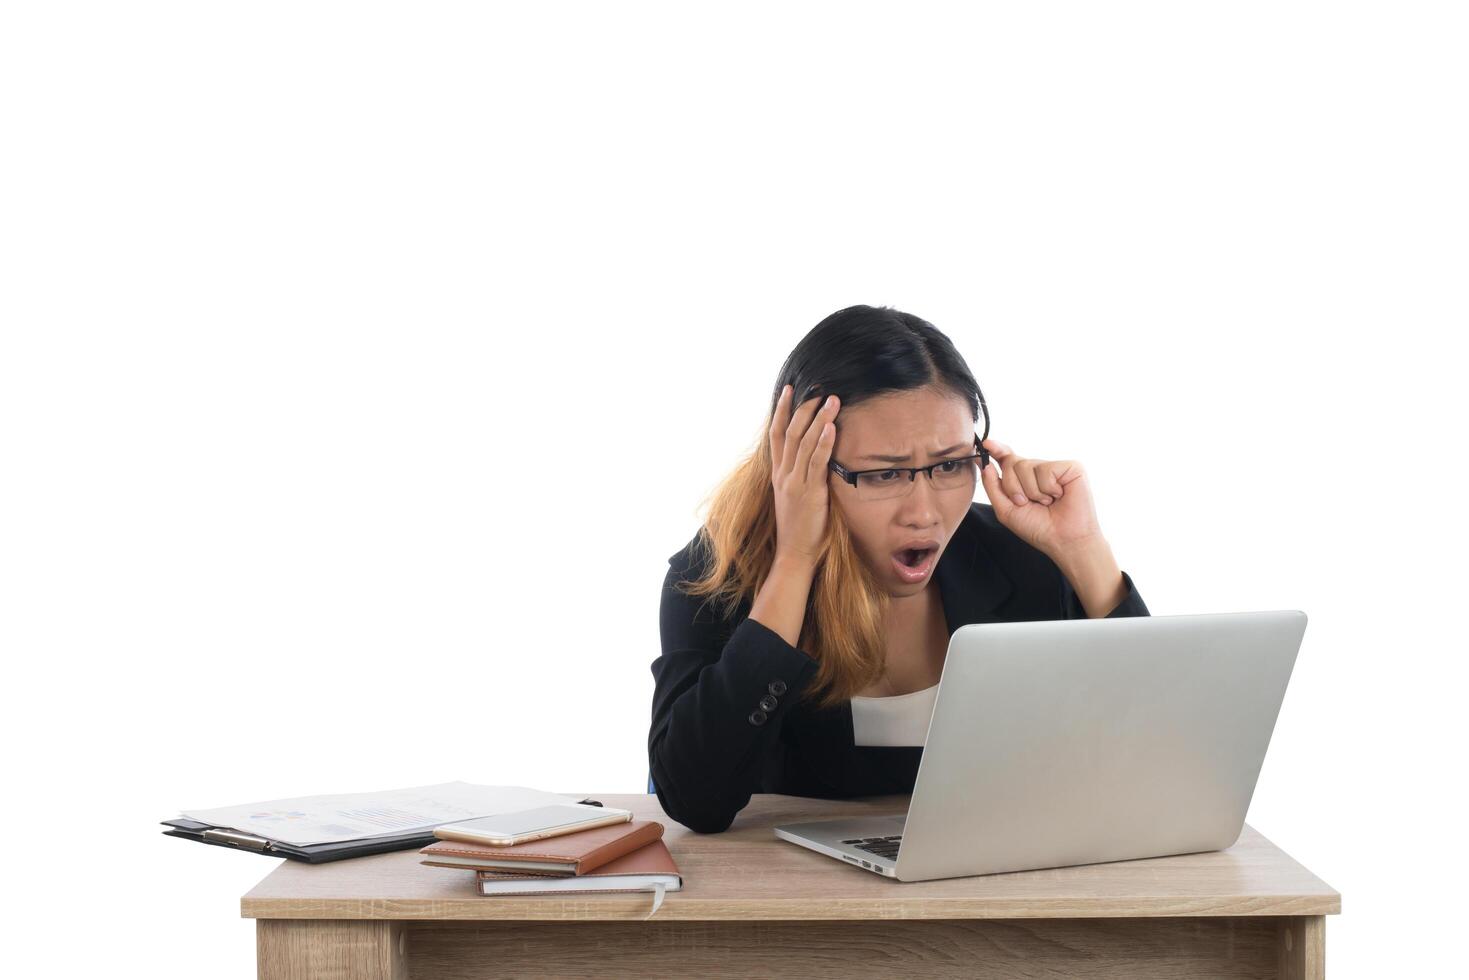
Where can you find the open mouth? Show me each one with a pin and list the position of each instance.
(913, 565)
(915, 557)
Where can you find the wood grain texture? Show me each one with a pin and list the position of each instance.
(1136, 949)
(747, 874)
(329, 950)
(1303, 948)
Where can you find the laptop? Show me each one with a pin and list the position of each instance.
(1064, 742)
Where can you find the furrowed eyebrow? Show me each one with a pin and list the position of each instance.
(904, 459)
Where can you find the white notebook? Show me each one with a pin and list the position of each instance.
(527, 885)
(650, 868)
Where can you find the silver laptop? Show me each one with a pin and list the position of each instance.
(1065, 742)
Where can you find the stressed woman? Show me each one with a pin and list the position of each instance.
(805, 625)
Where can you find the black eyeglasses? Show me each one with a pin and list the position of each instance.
(948, 474)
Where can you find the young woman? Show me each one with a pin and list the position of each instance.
(805, 625)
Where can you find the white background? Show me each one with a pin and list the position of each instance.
(363, 364)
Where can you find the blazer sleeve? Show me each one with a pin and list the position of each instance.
(705, 752)
(1131, 604)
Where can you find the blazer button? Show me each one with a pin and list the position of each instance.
(757, 717)
(777, 687)
(769, 702)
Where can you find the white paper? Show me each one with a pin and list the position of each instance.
(360, 816)
(658, 889)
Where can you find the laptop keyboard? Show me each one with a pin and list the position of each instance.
(883, 847)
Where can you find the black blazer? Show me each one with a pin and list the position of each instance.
(709, 749)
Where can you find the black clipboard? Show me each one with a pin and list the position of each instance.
(311, 853)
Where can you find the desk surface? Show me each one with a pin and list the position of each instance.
(746, 873)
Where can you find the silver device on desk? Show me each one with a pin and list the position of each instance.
(1064, 742)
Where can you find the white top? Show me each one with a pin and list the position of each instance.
(901, 719)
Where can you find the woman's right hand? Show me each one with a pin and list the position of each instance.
(800, 448)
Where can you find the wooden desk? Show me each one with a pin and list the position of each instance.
(752, 905)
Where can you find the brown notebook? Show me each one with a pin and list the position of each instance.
(561, 856)
(649, 868)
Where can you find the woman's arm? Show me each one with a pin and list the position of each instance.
(1093, 587)
(1095, 580)
(1131, 603)
(781, 602)
(709, 733)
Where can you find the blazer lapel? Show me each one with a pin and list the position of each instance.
(971, 583)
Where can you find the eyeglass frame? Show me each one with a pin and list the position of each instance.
(850, 476)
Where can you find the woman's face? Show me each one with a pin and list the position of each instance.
(910, 428)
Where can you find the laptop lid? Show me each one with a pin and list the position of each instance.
(1063, 742)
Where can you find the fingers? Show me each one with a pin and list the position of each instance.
(1009, 479)
(1025, 473)
(999, 500)
(791, 438)
(1024, 480)
(816, 467)
(800, 424)
(1045, 479)
(785, 430)
(999, 451)
(817, 434)
(778, 422)
(796, 431)
(1007, 484)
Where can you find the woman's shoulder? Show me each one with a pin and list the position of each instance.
(690, 561)
(686, 565)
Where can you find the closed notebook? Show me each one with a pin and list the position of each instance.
(648, 869)
(564, 855)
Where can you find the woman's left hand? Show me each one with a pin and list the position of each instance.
(1046, 502)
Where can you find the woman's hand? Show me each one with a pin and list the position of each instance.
(800, 448)
(1047, 503)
